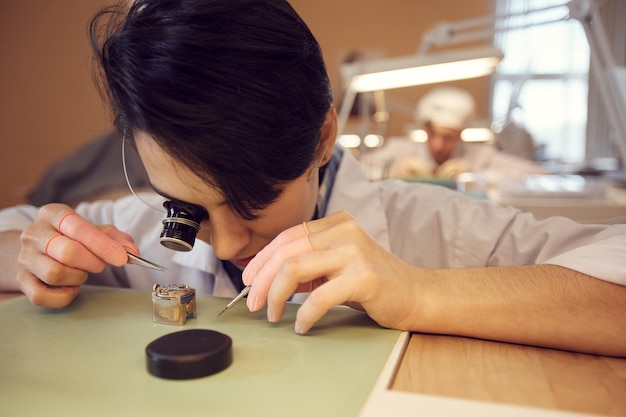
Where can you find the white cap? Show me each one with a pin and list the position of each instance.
(446, 107)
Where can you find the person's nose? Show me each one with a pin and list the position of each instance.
(228, 235)
(436, 143)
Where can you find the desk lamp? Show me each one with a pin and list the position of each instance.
(428, 68)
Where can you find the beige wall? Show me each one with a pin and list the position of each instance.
(49, 106)
(48, 103)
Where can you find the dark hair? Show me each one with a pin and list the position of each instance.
(236, 90)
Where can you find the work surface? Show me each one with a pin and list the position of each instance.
(89, 360)
(448, 375)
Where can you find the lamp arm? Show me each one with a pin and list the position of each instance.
(484, 27)
(604, 67)
(344, 110)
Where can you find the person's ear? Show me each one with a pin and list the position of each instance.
(328, 137)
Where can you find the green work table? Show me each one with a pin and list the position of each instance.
(89, 360)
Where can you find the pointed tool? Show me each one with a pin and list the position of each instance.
(136, 260)
(235, 300)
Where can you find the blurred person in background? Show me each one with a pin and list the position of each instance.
(444, 112)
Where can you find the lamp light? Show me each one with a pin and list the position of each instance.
(386, 74)
(469, 134)
(389, 73)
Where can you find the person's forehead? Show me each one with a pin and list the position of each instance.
(444, 130)
(171, 178)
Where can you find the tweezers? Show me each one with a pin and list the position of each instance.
(136, 260)
(235, 300)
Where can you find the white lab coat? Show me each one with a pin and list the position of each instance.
(425, 225)
(479, 158)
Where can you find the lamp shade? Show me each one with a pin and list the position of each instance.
(390, 73)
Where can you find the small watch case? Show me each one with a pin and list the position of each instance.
(173, 304)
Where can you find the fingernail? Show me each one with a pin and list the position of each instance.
(131, 250)
(270, 315)
(76, 291)
(252, 302)
(297, 328)
(245, 274)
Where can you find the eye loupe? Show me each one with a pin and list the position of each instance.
(181, 225)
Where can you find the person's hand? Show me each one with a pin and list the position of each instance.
(340, 265)
(451, 168)
(410, 166)
(59, 250)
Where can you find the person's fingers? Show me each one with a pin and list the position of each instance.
(333, 293)
(301, 270)
(44, 295)
(262, 270)
(59, 249)
(293, 233)
(122, 238)
(258, 262)
(73, 254)
(72, 225)
(264, 278)
(328, 223)
(33, 259)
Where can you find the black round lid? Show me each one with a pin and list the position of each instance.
(189, 354)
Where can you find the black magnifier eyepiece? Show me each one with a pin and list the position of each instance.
(181, 225)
